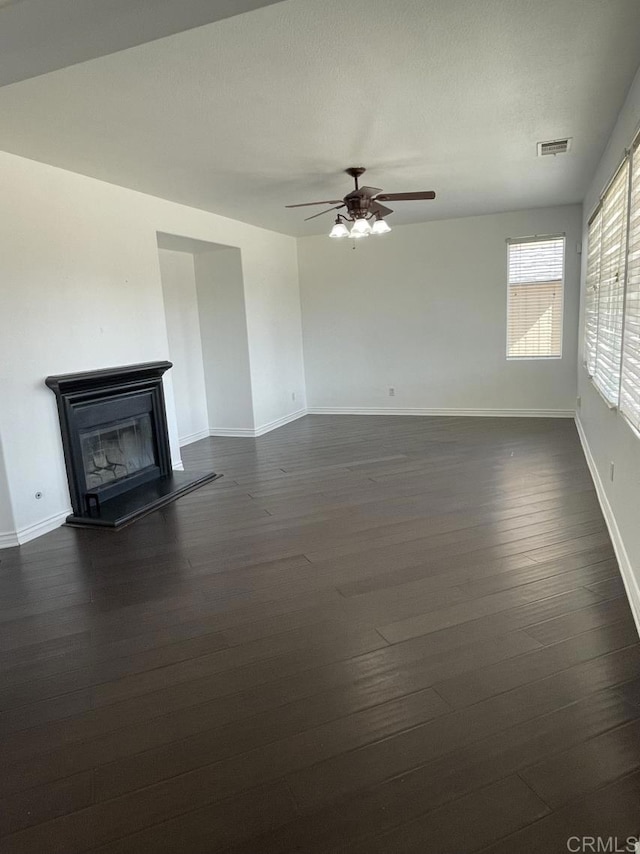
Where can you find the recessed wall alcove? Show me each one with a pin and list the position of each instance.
(204, 302)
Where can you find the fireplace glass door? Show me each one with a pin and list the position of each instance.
(116, 451)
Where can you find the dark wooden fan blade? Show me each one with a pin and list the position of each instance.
(380, 209)
(405, 197)
(369, 191)
(337, 208)
(306, 204)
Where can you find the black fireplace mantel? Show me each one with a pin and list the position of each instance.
(105, 378)
(102, 414)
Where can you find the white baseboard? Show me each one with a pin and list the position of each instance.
(9, 540)
(233, 432)
(193, 437)
(628, 578)
(24, 535)
(487, 413)
(280, 422)
(247, 432)
(178, 465)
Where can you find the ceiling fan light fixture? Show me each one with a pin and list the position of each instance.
(360, 228)
(339, 229)
(380, 226)
(362, 204)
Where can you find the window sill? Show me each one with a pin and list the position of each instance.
(534, 358)
(607, 402)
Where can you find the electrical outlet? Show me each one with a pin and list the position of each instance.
(612, 470)
(578, 402)
(293, 395)
(392, 392)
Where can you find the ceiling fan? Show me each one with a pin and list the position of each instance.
(363, 204)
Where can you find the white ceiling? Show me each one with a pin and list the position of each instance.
(245, 115)
(37, 36)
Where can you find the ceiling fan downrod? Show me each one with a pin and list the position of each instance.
(355, 172)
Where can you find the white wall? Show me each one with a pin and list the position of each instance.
(7, 524)
(81, 289)
(607, 435)
(423, 310)
(225, 349)
(272, 298)
(185, 348)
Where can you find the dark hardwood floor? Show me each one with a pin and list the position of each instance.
(374, 634)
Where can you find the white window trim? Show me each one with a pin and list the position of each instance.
(535, 238)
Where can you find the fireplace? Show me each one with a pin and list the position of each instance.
(116, 444)
(113, 452)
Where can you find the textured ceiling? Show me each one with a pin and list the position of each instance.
(38, 36)
(253, 112)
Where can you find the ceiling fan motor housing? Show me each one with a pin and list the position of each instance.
(358, 204)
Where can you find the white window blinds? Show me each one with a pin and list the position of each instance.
(613, 244)
(535, 297)
(591, 292)
(630, 386)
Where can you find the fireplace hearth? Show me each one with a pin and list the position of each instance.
(116, 444)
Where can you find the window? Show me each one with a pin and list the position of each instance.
(630, 384)
(605, 287)
(535, 297)
(591, 292)
(613, 249)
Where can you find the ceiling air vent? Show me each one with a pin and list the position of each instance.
(554, 146)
